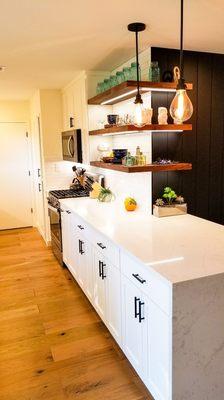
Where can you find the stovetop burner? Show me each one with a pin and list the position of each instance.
(68, 193)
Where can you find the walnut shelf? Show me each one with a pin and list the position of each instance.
(113, 130)
(127, 90)
(143, 168)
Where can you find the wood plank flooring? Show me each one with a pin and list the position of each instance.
(53, 345)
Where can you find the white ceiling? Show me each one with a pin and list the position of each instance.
(45, 42)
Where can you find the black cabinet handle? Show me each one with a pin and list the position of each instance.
(141, 304)
(100, 268)
(103, 272)
(101, 245)
(136, 299)
(39, 187)
(141, 280)
(68, 212)
(71, 122)
(81, 251)
(38, 172)
(80, 227)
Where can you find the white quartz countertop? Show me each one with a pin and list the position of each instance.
(179, 248)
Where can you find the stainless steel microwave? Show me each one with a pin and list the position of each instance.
(72, 145)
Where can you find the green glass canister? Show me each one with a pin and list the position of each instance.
(127, 73)
(100, 87)
(106, 84)
(134, 71)
(113, 80)
(154, 72)
(120, 76)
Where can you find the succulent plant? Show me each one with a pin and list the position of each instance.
(106, 195)
(169, 195)
(179, 199)
(159, 202)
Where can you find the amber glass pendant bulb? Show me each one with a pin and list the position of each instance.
(181, 108)
(140, 117)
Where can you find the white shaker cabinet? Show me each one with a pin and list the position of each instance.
(107, 293)
(66, 234)
(135, 327)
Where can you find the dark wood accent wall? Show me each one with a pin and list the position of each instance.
(203, 187)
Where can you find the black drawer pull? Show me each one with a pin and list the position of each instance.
(100, 268)
(68, 212)
(81, 251)
(136, 299)
(141, 280)
(101, 245)
(80, 227)
(103, 276)
(141, 304)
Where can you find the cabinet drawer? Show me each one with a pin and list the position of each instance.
(81, 227)
(148, 281)
(106, 248)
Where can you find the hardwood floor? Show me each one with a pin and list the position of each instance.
(53, 345)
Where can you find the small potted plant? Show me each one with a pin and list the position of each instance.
(170, 204)
(105, 195)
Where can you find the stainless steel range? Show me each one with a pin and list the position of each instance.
(54, 210)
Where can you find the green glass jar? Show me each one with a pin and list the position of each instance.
(113, 80)
(100, 87)
(154, 72)
(106, 84)
(120, 76)
(127, 73)
(134, 71)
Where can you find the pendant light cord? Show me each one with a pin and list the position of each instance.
(137, 62)
(181, 38)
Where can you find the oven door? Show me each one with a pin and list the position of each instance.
(55, 225)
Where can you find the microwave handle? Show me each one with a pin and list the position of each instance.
(69, 148)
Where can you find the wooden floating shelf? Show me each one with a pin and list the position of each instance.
(124, 129)
(143, 168)
(127, 90)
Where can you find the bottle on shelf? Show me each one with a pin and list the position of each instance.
(154, 72)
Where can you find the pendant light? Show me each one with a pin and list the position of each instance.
(181, 108)
(140, 118)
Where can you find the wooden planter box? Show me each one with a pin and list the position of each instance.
(168, 211)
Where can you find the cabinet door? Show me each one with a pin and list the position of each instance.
(68, 108)
(113, 300)
(74, 252)
(99, 289)
(159, 355)
(135, 326)
(65, 227)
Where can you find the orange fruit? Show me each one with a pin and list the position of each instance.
(130, 204)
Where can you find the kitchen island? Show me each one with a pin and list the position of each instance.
(158, 285)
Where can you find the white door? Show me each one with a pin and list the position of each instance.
(135, 327)
(15, 186)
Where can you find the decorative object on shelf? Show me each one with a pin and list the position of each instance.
(176, 74)
(134, 71)
(120, 77)
(162, 116)
(170, 204)
(106, 195)
(149, 114)
(103, 150)
(100, 87)
(119, 154)
(139, 112)
(112, 119)
(106, 84)
(130, 204)
(154, 72)
(108, 159)
(181, 108)
(113, 80)
(129, 160)
(164, 161)
(167, 76)
(127, 73)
